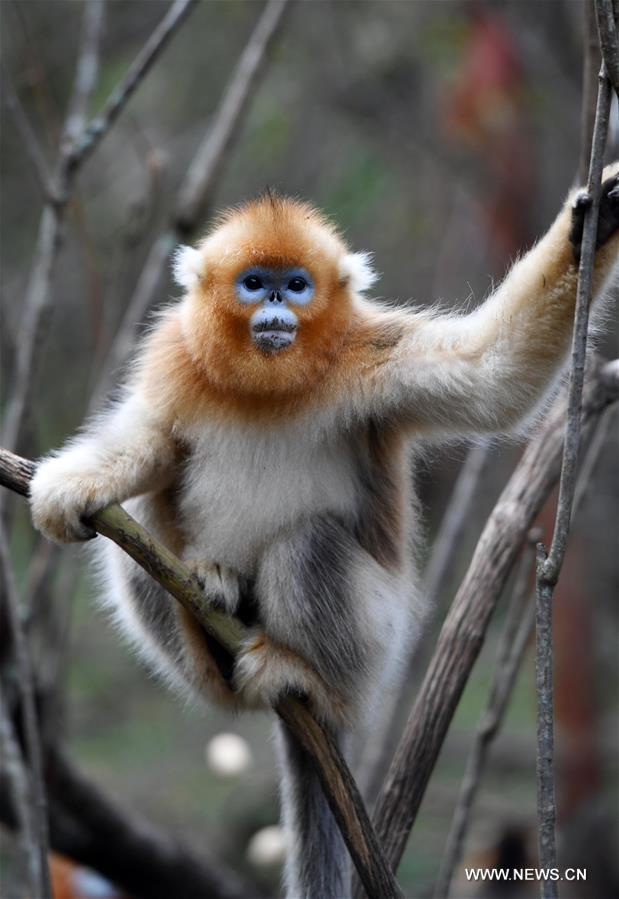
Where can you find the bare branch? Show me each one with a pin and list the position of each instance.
(552, 566)
(86, 141)
(29, 138)
(606, 15)
(514, 641)
(340, 789)
(13, 765)
(590, 68)
(25, 686)
(463, 632)
(197, 187)
(86, 74)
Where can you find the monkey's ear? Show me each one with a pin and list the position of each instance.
(356, 271)
(187, 266)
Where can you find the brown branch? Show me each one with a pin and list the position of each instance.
(512, 647)
(340, 789)
(25, 687)
(463, 632)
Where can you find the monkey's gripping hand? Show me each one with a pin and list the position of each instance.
(62, 500)
(125, 452)
(608, 219)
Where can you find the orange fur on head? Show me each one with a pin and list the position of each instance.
(209, 347)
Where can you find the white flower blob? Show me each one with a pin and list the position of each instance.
(228, 755)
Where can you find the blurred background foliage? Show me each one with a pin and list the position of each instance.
(442, 136)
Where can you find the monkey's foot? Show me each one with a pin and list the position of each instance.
(220, 585)
(265, 671)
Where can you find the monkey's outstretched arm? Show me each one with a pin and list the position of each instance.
(122, 453)
(484, 371)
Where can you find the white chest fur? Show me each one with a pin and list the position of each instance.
(244, 484)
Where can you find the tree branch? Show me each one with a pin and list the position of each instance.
(606, 15)
(514, 641)
(88, 140)
(25, 688)
(340, 789)
(464, 629)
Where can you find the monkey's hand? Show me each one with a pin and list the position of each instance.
(221, 585)
(608, 220)
(61, 500)
(265, 671)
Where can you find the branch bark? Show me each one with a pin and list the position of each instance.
(37, 814)
(464, 629)
(340, 789)
(607, 15)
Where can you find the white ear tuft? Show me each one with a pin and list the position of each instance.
(356, 269)
(187, 266)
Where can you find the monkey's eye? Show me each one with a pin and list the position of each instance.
(297, 285)
(252, 282)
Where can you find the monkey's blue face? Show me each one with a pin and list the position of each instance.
(275, 293)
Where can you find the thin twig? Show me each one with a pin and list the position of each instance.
(514, 641)
(607, 20)
(87, 140)
(463, 632)
(454, 519)
(25, 686)
(549, 566)
(552, 565)
(340, 789)
(590, 68)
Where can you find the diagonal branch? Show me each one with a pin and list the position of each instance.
(340, 789)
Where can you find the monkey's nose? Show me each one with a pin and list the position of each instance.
(275, 297)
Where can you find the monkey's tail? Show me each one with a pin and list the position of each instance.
(317, 862)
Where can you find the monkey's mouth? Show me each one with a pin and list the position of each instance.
(274, 335)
